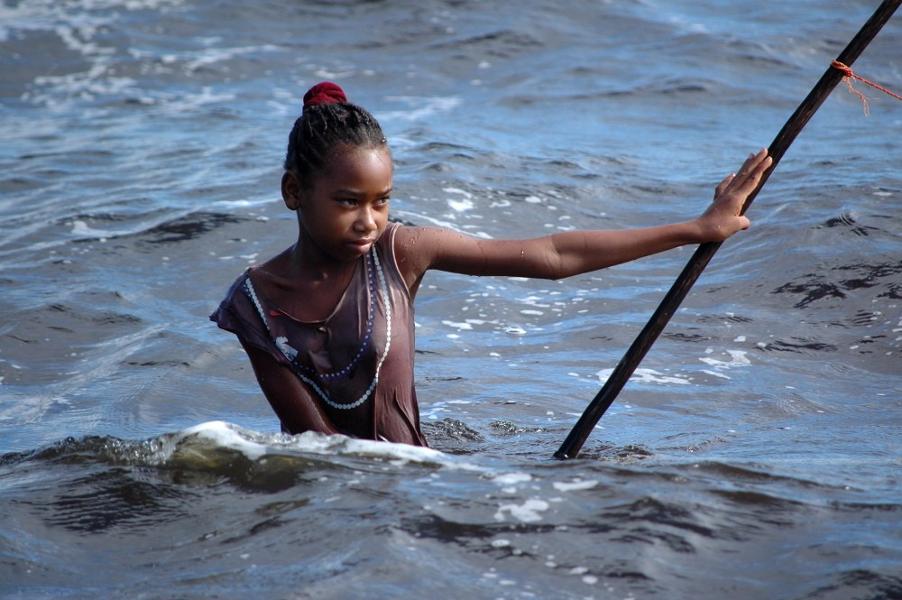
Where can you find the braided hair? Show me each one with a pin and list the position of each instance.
(327, 121)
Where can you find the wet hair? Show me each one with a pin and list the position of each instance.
(328, 121)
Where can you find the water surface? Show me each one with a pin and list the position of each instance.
(755, 453)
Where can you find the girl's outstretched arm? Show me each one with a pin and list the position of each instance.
(570, 253)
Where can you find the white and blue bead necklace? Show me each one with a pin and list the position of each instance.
(290, 353)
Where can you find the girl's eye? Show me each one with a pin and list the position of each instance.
(383, 201)
(346, 201)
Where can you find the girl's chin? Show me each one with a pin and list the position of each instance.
(349, 251)
(357, 248)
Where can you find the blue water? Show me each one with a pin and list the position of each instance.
(755, 453)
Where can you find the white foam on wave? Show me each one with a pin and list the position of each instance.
(83, 85)
(534, 300)
(80, 27)
(211, 56)
(179, 104)
(77, 26)
(80, 228)
(738, 358)
(464, 204)
(715, 374)
(255, 445)
(44, 15)
(458, 191)
(415, 216)
(225, 435)
(129, 4)
(571, 486)
(646, 376)
(509, 481)
(419, 108)
(461, 205)
(38, 15)
(251, 201)
(528, 512)
(512, 478)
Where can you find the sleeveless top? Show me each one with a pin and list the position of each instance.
(357, 364)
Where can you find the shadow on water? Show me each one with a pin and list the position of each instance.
(114, 498)
(187, 227)
(866, 584)
(180, 229)
(840, 280)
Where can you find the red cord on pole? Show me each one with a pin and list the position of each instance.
(850, 75)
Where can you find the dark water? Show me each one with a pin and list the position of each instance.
(755, 455)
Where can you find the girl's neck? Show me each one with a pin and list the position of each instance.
(307, 262)
(304, 286)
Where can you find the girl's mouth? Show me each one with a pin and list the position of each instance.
(362, 243)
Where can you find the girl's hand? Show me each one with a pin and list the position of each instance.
(722, 218)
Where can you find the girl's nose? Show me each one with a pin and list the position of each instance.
(366, 220)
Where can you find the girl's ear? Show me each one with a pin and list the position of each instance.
(291, 190)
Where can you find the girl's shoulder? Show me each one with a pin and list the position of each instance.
(416, 248)
(391, 231)
(398, 246)
(237, 304)
(240, 313)
(274, 280)
(236, 288)
(274, 271)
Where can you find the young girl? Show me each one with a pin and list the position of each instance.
(328, 323)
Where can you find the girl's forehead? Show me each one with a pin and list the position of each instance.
(364, 166)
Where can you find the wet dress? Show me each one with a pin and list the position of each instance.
(358, 362)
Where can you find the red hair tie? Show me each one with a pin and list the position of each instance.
(325, 92)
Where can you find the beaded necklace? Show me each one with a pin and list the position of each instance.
(371, 315)
(291, 355)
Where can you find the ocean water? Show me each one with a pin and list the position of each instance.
(755, 454)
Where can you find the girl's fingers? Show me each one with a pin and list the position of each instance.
(753, 166)
(725, 182)
(752, 162)
(752, 170)
(754, 176)
(735, 187)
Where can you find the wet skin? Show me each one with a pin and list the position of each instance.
(341, 213)
(344, 210)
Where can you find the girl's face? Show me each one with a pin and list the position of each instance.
(344, 210)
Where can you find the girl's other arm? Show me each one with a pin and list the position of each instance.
(574, 252)
(290, 400)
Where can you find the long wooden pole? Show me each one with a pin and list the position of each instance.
(605, 397)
